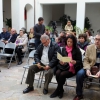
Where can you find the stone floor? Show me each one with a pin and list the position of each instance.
(11, 89)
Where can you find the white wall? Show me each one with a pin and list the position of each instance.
(57, 11)
(1, 15)
(70, 10)
(7, 10)
(93, 13)
(18, 13)
(30, 17)
(47, 14)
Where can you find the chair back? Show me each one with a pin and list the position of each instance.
(2, 45)
(31, 55)
(32, 40)
(10, 46)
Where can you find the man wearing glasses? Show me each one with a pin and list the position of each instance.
(92, 58)
(45, 55)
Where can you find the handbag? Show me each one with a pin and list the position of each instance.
(20, 47)
(94, 70)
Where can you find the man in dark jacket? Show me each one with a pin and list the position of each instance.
(45, 55)
(39, 29)
(4, 35)
(11, 39)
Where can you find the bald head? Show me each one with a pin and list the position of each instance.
(13, 31)
(45, 40)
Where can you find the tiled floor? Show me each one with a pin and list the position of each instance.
(11, 89)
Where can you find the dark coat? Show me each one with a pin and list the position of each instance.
(76, 55)
(83, 46)
(52, 54)
(5, 36)
(13, 38)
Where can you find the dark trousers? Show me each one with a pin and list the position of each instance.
(37, 42)
(19, 53)
(31, 75)
(9, 51)
(61, 78)
(81, 74)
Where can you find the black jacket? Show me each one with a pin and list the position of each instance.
(13, 38)
(76, 55)
(39, 30)
(52, 54)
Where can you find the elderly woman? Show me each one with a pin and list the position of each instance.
(21, 45)
(67, 70)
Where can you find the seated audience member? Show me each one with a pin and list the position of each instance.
(92, 58)
(45, 55)
(61, 39)
(69, 27)
(90, 38)
(47, 32)
(31, 33)
(53, 36)
(12, 39)
(67, 70)
(21, 45)
(82, 41)
(4, 35)
(13, 36)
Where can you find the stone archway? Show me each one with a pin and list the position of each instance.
(28, 17)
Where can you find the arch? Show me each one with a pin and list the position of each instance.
(28, 16)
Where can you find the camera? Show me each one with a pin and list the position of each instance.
(54, 24)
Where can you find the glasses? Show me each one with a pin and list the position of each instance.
(97, 39)
(44, 42)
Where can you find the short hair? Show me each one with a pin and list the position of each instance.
(73, 39)
(98, 33)
(22, 31)
(83, 36)
(40, 19)
(88, 32)
(63, 32)
(46, 37)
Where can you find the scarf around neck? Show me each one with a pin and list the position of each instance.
(69, 51)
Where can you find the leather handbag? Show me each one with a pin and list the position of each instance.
(94, 70)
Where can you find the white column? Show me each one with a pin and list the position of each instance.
(80, 14)
(38, 10)
(1, 15)
(15, 14)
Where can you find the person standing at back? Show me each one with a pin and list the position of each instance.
(39, 29)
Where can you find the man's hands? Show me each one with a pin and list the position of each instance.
(88, 73)
(45, 68)
(98, 74)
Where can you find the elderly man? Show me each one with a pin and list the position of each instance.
(92, 58)
(45, 55)
(12, 39)
(4, 35)
(13, 36)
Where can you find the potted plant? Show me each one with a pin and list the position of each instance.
(8, 22)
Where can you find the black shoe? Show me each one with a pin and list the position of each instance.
(61, 94)
(45, 91)
(55, 94)
(20, 62)
(28, 89)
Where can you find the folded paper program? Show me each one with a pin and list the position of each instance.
(63, 59)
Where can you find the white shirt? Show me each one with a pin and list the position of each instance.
(44, 58)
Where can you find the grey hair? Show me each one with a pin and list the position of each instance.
(46, 37)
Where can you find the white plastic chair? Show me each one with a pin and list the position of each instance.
(9, 46)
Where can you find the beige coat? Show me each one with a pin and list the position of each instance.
(22, 40)
(68, 28)
(90, 57)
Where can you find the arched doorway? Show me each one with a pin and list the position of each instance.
(28, 17)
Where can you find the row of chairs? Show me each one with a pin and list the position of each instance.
(4, 46)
